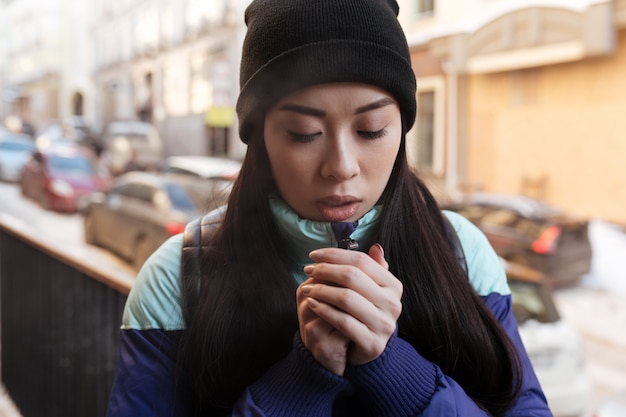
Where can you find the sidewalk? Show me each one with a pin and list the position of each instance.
(7, 407)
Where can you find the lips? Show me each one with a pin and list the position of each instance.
(338, 208)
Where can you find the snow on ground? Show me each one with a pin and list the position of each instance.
(608, 264)
(597, 308)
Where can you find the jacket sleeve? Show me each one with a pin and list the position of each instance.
(295, 386)
(403, 383)
(147, 381)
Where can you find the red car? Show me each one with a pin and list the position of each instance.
(60, 176)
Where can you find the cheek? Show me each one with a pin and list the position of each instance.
(380, 169)
(386, 154)
(289, 169)
(380, 164)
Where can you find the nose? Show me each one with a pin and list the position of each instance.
(340, 160)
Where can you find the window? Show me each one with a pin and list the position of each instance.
(425, 141)
(425, 130)
(425, 6)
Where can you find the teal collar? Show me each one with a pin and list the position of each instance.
(303, 236)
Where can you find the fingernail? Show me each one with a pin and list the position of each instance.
(306, 289)
(380, 248)
(315, 254)
(309, 269)
(312, 302)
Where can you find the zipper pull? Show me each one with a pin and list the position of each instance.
(342, 231)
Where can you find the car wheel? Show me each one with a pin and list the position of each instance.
(143, 250)
(89, 230)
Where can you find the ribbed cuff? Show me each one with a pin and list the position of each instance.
(400, 382)
(299, 386)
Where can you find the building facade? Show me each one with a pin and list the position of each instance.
(45, 65)
(523, 97)
(172, 63)
(514, 96)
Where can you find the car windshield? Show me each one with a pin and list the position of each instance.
(16, 146)
(130, 128)
(72, 164)
(532, 301)
(179, 198)
(134, 132)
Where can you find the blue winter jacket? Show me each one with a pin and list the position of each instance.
(398, 383)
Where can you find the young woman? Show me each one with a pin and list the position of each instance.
(331, 284)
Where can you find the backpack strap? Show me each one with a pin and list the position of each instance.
(196, 240)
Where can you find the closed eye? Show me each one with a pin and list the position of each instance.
(366, 134)
(303, 137)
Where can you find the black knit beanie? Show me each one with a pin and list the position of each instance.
(292, 44)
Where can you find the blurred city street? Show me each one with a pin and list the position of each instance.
(597, 308)
(515, 97)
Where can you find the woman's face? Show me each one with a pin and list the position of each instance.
(332, 148)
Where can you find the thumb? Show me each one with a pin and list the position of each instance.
(377, 253)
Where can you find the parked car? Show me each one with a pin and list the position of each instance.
(16, 124)
(15, 150)
(131, 145)
(613, 406)
(529, 232)
(141, 211)
(59, 176)
(73, 129)
(202, 173)
(205, 167)
(554, 346)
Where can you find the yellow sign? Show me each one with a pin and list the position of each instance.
(220, 116)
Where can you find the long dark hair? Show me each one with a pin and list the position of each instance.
(244, 315)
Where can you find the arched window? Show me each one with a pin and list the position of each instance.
(77, 104)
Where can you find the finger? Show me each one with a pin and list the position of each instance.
(381, 291)
(327, 345)
(363, 262)
(378, 316)
(377, 253)
(305, 314)
(369, 342)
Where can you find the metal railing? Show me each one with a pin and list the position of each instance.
(60, 319)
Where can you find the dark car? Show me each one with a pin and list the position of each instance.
(61, 175)
(529, 232)
(131, 145)
(141, 211)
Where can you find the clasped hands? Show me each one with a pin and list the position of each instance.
(348, 307)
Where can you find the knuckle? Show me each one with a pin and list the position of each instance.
(345, 298)
(343, 322)
(349, 276)
(374, 348)
(397, 287)
(389, 327)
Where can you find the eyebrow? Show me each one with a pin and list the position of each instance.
(311, 111)
(385, 101)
